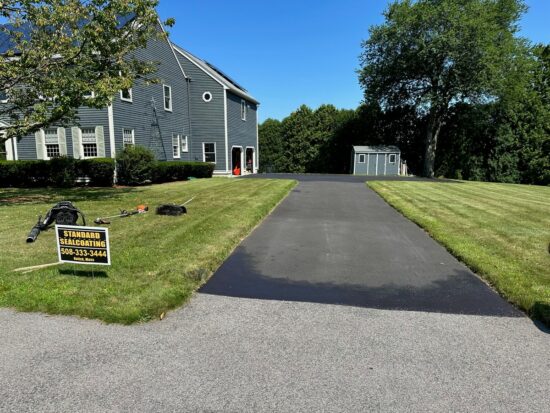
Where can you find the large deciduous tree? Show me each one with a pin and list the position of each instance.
(55, 53)
(435, 54)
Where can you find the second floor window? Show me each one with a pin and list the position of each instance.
(126, 95)
(3, 96)
(244, 109)
(51, 139)
(89, 143)
(167, 97)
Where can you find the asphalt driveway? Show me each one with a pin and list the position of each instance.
(334, 304)
(335, 241)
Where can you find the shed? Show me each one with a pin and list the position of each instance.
(375, 160)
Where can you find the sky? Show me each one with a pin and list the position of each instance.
(288, 53)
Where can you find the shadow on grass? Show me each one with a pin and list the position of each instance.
(19, 196)
(347, 178)
(84, 273)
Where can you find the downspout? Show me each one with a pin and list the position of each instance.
(190, 128)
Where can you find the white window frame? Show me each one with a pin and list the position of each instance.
(394, 158)
(204, 153)
(130, 99)
(124, 144)
(90, 96)
(84, 156)
(359, 155)
(46, 143)
(204, 96)
(176, 142)
(167, 109)
(7, 97)
(244, 109)
(184, 147)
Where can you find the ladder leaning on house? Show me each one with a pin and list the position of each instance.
(156, 143)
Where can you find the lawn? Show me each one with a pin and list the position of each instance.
(501, 231)
(157, 261)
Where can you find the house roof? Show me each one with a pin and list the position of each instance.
(377, 149)
(216, 74)
(26, 29)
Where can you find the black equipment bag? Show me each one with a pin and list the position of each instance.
(171, 209)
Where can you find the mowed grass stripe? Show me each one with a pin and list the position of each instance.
(158, 261)
(508, 246)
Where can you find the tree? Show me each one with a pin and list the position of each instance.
(435, 54)
(271, 145)
(58, 55)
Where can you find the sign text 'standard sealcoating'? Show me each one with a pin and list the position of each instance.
(83, 245)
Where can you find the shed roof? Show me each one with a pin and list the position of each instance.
(217, 74)
(377, 149)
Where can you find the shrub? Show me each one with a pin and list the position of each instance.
(58, 172)
(61, 172)
(180, 171)
(135, 165)
(99, 171)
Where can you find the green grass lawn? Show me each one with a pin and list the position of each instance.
(501, 231)
(157, 261)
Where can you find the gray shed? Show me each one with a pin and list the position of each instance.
(375, 160)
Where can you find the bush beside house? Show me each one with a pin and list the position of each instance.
(135, 166)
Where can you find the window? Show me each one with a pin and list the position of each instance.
(207, 96)
(393, 157)
(244, 109)
(167, 97)
(176, 139)
(128, 137)
(126, 95)
(89, 143)
(361, 158)
(3, 149)
(89, 95)
(184, 145)
(209, 152)
(3, 96)
(51, 139)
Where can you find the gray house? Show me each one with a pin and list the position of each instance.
(224, 117)
(375, 160)
(195, 112)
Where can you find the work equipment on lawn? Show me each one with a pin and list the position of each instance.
(173, 209)
(140, 209)
(62, 213)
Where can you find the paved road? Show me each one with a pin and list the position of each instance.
(286, 347)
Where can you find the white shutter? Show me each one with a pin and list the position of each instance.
(40, 144)
(77, 142)
(62, 141)
(100, 138)
(9, 150)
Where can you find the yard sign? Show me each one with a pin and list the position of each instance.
(83, 245)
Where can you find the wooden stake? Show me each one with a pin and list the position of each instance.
(24, 270)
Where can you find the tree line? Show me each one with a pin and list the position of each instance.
(448, 81)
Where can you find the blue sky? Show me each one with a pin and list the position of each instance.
(288, 53)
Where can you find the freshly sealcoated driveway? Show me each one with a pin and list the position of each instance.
(335, 303)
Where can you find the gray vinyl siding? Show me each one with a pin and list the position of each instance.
(138, 114)
(207, 118)
(376, 164)
(241, 132)
(88, 117)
